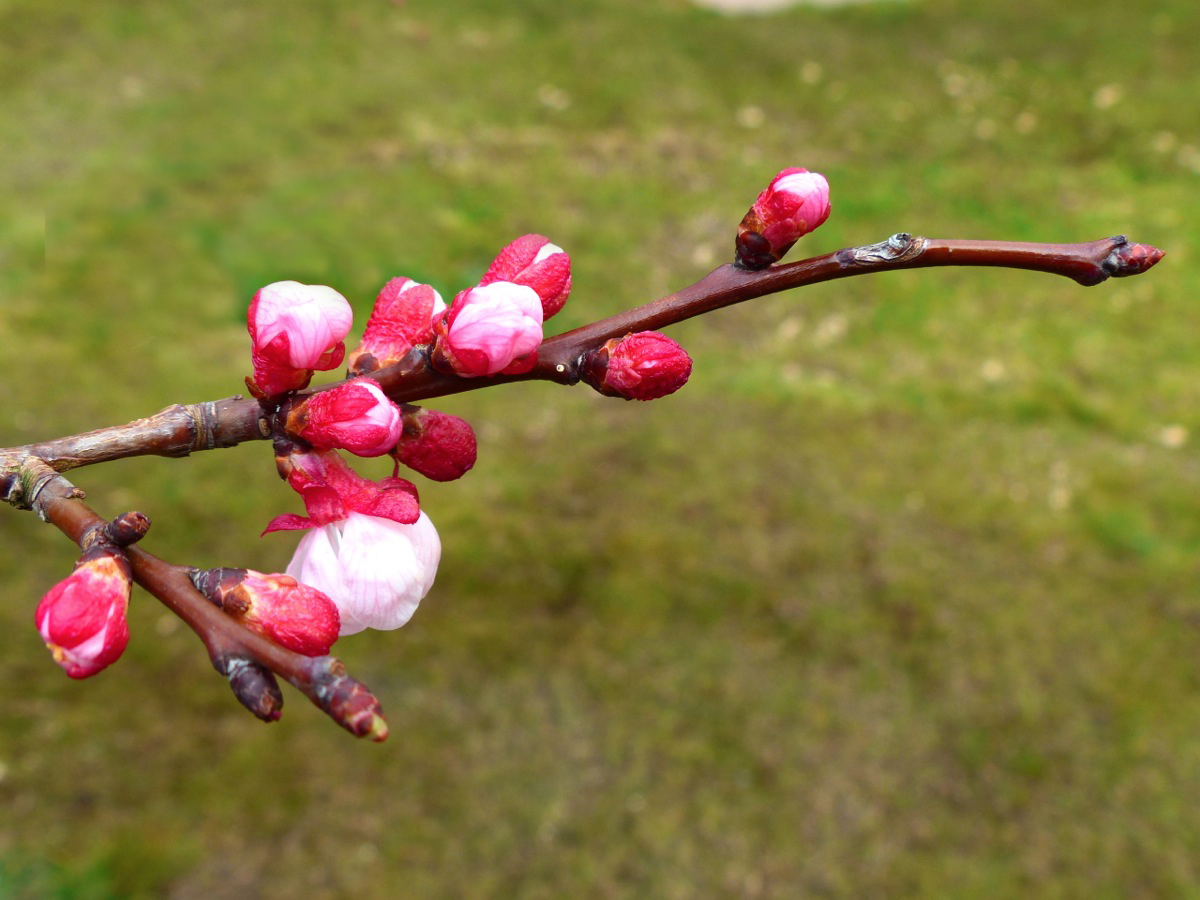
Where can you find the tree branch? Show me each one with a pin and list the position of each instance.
(181, 430)
(30, 476)
(230, 646)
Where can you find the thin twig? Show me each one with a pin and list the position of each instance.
(322, 679)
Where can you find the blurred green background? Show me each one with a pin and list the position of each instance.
(898, 597)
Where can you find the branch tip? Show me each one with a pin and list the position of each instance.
(1128, 258)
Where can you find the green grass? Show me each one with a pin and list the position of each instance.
(897, 598)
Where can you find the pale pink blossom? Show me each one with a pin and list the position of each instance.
(533, 261)
(355, 416)
(82, 618)
(488, 328)
(376, 571)
(793, 204)
(294, 329)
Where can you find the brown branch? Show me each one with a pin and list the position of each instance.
(230, 646)
(560, 358)
(181, 430)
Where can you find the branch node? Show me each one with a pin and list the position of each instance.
(204, 422)
(900, 247)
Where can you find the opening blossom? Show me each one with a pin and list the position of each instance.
(794, 203)
(487, 328)
(355, 416)
(368, 547)
(331, 490)
(375, 570)
(82, 618)
(294, 329)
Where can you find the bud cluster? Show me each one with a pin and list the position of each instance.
(369, 554)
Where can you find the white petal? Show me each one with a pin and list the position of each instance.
(387, 568)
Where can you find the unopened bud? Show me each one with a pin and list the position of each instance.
(256, 688)
(440, 446)
(355, 416)
(127, 528)
(642, 366)
(488, 329)
(348, 701)
(533, 261)
(82, 618)
(401, 319)
(794, 203)
(278, 607)
(294, 329)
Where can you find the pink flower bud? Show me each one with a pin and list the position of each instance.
(401, 319)
(535, 262)
(295, 328)
(487, 329)
(642, 366)
(376, 571)
(355, 416)
(436, 444)
(293, 615)
(82, 618)
(794, 203)
(331, 491)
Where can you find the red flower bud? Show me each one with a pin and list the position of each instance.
(642, 366)
(278, 607)
(794, 203)
(401, 319)
(436, 444)
(355, 416)
(82, 618)
(533, 261)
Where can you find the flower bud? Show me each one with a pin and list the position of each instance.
(642, 366)
(82, 618)
(438, 445)
(375, 570)
(533, 261)
(355, 416)
(294, 329)
(487, 329)
(293, 615)
(794, 203)
(402, 318)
